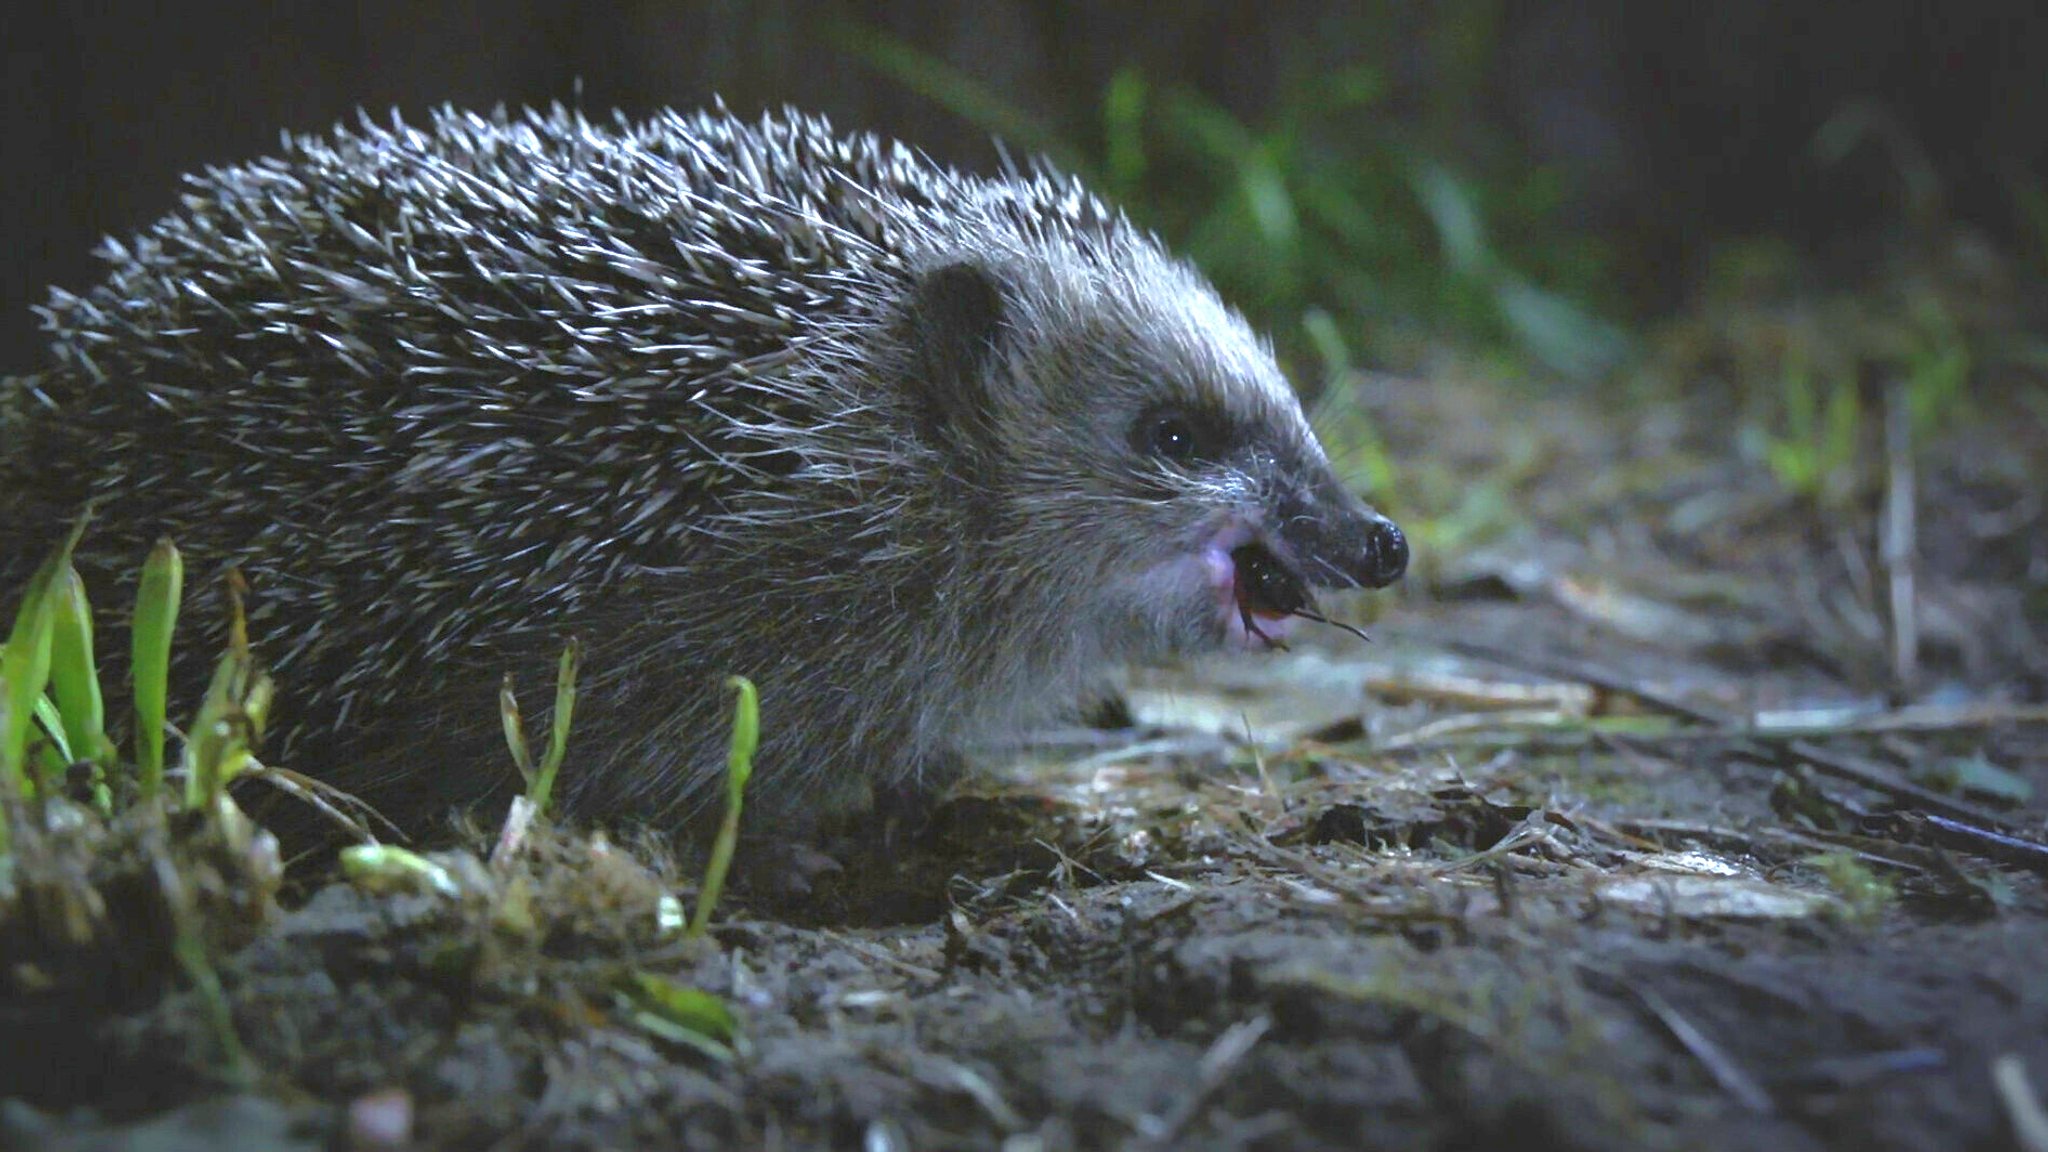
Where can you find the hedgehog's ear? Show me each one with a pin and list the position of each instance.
(956, 318)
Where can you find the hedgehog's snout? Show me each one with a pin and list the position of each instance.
(1340, 542)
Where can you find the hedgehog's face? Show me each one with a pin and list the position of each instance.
(1154, 463)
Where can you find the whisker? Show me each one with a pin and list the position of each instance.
(1318, 617)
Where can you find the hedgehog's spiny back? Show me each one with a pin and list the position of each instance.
(561, 272)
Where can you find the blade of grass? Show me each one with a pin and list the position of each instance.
(739, 768)
(74, 681)
(385, 868)
(679, 1013)
(1123, 131)
(543, 780)
(231, 717)
(515, 731)
(53, 727)
(954, 89)
(1260, 175)
(25, 667)
(156, 617)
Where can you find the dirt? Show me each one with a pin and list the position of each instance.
(1541, 866)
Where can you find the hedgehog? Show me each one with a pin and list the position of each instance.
(923, 453)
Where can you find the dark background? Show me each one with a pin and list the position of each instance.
(1671, 125)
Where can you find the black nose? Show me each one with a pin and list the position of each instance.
(1337, 540)
(1385, 555)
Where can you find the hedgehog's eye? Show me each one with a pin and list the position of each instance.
(1170, 436)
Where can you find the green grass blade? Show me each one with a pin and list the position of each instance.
(156, 617)
(230, 718)
(1251, 158)
(1123, 130)
(739, 768)
(52, 720)
(74, 681)
(383, 868)
(679, 1013)
(558, 734)
(25, 666)
(957, 90)
(515, 731)
(746, 739)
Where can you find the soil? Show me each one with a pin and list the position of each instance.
(1621, 833)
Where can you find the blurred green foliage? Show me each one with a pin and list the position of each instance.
(1344, 220)
(1382, 212)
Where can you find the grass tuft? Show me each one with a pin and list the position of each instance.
(229, 725)
(24, 672)
(540, 778)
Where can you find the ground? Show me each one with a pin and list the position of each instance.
(1637, 824)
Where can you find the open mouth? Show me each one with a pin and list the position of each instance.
(1267, 595)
